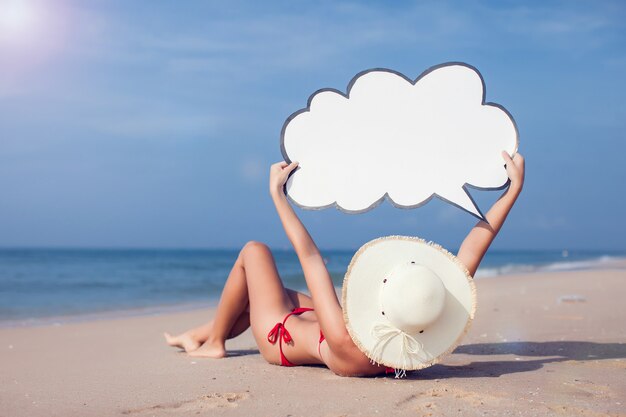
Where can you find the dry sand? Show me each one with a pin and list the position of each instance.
(530, 352)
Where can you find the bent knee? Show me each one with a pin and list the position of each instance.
(255, 247)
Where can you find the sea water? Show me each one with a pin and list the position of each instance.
(40, 283)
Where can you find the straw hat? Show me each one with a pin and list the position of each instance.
(407, 302)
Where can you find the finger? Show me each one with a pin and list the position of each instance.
(506, 157)
(283, 164)
(291, 166)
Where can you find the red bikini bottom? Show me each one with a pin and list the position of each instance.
(279, 332)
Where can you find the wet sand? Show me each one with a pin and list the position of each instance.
(549, 344)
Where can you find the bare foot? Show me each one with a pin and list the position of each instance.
(184, 341)
(210, 349)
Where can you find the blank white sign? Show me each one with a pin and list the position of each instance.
(407, 140)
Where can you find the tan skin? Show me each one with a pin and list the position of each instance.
(254, 295)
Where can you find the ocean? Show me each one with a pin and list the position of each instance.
(37, 285)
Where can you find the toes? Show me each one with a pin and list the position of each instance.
(183, 342)
(172, 341)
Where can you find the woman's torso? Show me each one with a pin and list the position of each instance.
(307, 350)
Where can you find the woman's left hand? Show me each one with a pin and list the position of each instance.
(279, 172)
(515, 170)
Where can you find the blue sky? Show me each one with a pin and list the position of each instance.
(153, 124)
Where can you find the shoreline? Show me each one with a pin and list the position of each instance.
(114, 314)
(600, 263)
(613, 263)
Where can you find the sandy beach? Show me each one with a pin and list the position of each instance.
(549, 344)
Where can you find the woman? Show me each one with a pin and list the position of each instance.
(310, 330)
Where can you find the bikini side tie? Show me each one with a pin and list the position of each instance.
(276, 333)
(279, 333)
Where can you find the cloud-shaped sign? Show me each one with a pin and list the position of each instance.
(407, 140)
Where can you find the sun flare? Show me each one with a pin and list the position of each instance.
(17, 19)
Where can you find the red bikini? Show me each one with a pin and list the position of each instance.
(280, 333)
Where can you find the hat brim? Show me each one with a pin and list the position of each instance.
(361, 299)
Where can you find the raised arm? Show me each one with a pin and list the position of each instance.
(480, 237)
(319, 282)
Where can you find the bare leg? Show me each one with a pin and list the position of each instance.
(192, 339)
(232, 308)
(231, 317)
(233, 312)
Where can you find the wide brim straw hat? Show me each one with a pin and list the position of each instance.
(407, 302)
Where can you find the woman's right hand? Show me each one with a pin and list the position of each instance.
(279, 172)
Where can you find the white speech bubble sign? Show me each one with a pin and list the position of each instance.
(401, 139)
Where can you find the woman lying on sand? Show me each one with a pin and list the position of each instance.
(254, 295)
